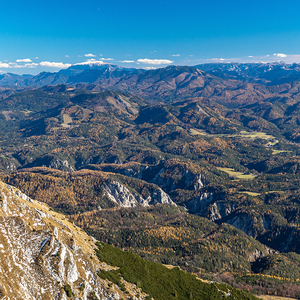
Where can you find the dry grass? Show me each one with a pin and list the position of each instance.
(239, 175)
(253, 194)
(279, 151)
(274, 298)
(67, 119)
(257, 135)
(194, 131)
(26, 112)
(170, 267)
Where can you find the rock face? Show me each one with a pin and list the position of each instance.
(41, 253)
(181, 179)
(169, 177)
(207, 206)
(121, 195)
(220, 210)
(198, 204)
(60, 165)
(52, 162)
(244, 223)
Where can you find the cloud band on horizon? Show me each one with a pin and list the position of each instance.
(154, 61)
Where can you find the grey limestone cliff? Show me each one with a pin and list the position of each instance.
(121, 195)
(41, 253)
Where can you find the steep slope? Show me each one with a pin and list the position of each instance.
(10, 79)
(45, 256)
(87, 190)
(168, 234)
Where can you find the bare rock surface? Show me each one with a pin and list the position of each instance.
(41, 252)
(121, 195)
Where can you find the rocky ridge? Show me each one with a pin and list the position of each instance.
(45, 256)
(119, 194)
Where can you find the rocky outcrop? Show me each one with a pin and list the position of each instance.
(9, 164)
(121, 195)
(199, 182)
(243, 222)
(198, 204)
(52, 162)
(11, 167)
(163, 177)
(160, 197)
(43, 254)
(60, 165)
(168, 175)
(185, 179)
(255, 255)
(220, 210)
(207, 206)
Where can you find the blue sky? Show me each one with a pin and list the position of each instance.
(48, 35)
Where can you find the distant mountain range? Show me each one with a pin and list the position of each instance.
(264, 73)
(88, 74)
(232, 82)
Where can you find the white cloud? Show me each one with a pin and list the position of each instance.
(150, 68)
(54, 64)
(67, 56)
(91, 62)
(13, 65)
(291, 58)
(31, 65)
(250, 56)
(210, 60)
(218, 59)
(90, 55)
(280, 55)
(176, 55)
(155, 61)
(127, 61)
(4, 65)
(16, 66)
(26, 60)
